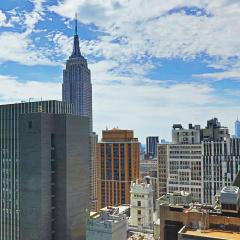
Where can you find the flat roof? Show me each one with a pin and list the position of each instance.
(213, 233)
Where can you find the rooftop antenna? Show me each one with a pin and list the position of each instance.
(76, 30)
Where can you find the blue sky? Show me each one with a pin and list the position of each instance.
(153, 62)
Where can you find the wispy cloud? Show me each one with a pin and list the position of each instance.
(233, 74)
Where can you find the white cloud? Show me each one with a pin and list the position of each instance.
(3, 20)
(141, 29)
(153, 108)
(19, 48)
(149, 108)
(13, 90)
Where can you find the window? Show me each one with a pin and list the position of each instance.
(139, 219)
(30, 124)
(139, 203)
(139, 212)
(52, 140)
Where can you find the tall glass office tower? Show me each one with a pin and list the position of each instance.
(237, 129)
(77, 87)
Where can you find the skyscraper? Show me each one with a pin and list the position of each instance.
(54, 176)
(237, 129)
(200, 161)
(118, 165)
(10, 159)
(77, 89)
(151, 146)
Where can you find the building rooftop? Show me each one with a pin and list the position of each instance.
(141, 236)
(230, 189)
(116, 210)
(211, 233)
(142, 185)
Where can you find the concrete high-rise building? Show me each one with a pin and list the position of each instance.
(180, 169)
(237, 129)
(77, 89)
(118, 165)
(181, 135)
(77, 86)
(200, 161)
(10, 160)
(151, 146)
(162, 158)
(54, 176)
(214, 131)
(141, 206)
(147, 166)
(93, 170)
(179, 163)
(220, 165)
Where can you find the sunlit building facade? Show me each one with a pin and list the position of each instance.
(118, 165)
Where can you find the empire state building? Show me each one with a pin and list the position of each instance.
(77, 87)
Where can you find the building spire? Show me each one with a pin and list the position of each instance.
(76, 49)
(76, 29)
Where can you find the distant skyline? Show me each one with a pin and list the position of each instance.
(153, 62)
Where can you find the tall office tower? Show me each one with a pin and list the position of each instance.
(77, 86)
(151, 146)
(10, 158)
(118, 165)
(77, 89)
(179, 163)
(237, 129)
(184, 169)
(221, 163)
(162, 164)
(200, 161)
(54, 176)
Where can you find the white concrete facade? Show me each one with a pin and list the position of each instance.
(141, 206)
(184, 169)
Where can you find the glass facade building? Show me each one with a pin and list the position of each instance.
(237, 129)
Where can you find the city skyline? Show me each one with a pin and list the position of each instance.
(179, 73)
